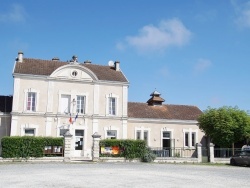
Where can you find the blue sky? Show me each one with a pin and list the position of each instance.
(194, 52)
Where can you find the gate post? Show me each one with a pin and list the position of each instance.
(199, 153)
(211, 153)
(67, 147)
(96, 147)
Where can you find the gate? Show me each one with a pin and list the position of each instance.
(204, 153)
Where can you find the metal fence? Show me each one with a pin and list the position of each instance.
(225, 152)
(174, 152)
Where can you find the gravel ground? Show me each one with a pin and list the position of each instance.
(121, 175)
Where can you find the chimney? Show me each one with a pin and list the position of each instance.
(55, 59)
(87, 62)
(117, 65)
(20, 57)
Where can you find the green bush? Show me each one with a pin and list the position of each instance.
(130, 149)
(148, 156)
(27, 146)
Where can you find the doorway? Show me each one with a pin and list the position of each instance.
(79, 142)
(166, 143)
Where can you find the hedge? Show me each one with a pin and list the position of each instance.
(27, 146)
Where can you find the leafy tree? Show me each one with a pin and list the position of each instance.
(225, 125)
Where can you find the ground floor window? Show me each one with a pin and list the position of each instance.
(189, 139)
(29, 132)
(142, 134)
(111, 134)
(63, 131)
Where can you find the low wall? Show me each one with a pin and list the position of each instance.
(222, 160)
(117, 159)
(175, 160)
(157, 160)
(42, 159)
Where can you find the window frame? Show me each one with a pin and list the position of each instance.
(190, 138)
(112, 110)
(25, 103)
(111, 136)
(139, 134)
(62, 135)
(82, 102)
(28, 134)
(112, 106)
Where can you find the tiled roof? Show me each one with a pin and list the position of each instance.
(165, 111)
(46, 67)
(6, 103)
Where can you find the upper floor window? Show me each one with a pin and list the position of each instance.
(31, 101)
(80, 108)
(112, 106)
(65, 104)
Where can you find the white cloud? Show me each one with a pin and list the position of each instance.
(15, 14)
(202, 65)
(158, 38)
(243, 14)
(164, 72)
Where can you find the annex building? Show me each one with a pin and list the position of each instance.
(51, 97)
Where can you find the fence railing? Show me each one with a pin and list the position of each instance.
(174, 152)
(225, 152)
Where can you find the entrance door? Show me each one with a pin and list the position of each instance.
(79, 142)
(166, 143)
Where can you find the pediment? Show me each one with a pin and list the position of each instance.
(74, 72)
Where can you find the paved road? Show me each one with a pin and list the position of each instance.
(121, 175)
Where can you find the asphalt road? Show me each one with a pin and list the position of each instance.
(121, 175)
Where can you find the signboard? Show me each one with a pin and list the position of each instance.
(114, 150)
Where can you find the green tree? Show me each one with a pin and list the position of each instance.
(225, 125)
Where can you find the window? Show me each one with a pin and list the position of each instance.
(80, 104)
(190, 139)
(193, 139)
(31, 101)
(166, 135)
(63, 131)
(145, 136)
(65, 104)
(74, 73)
(138, 135)
(142, 135)
(112, 134)
(29, 132)
(186, 139)
(112, 106)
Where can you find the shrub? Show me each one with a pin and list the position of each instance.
(27, 146)
(148, 156)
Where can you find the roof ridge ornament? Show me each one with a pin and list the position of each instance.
(74, 60)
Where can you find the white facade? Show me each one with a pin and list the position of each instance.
(74, 98)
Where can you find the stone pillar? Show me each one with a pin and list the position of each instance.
(96, 147)
(199, 152)
(67, 147)
(211, 153)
